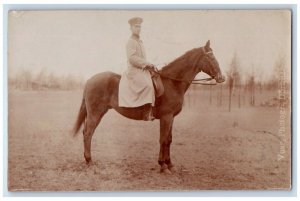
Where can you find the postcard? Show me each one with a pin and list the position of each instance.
(149, 100)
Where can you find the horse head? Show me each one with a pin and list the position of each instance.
(209, 64)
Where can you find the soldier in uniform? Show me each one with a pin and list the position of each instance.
(136, 88)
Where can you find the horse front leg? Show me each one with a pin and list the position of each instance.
(164, 156)
(168, 147)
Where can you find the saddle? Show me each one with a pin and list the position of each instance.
(157, 83)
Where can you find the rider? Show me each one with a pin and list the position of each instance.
(136, 88)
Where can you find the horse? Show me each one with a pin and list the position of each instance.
(101, 94)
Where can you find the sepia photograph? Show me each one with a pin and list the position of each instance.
(149, 100)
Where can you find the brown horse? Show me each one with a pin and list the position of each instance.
(101, 94)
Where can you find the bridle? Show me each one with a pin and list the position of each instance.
(194, 81)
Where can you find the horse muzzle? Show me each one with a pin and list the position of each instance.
(219, 78)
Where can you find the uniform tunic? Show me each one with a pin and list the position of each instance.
(136, 88)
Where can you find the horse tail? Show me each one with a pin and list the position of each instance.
(80, 118)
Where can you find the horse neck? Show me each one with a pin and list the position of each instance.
(181, 70)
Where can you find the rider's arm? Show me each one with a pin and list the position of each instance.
(133, 57)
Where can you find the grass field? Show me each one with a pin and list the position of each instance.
(212, 148)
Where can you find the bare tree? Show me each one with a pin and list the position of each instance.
(221, 95)
(41, 77)
(251, 87)
(233, 78)
(238, 85)
(24, 79)
(279, 69)
(210, 95)
(252, 90)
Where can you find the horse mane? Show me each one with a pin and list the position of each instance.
(182, 57)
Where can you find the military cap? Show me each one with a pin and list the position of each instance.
(135, 20)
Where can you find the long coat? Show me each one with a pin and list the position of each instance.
(136, 88)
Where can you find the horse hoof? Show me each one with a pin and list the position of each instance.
(88, 161)
(166, 171)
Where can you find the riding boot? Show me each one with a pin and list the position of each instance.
(148, 113)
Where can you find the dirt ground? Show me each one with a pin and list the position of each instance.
(212, 148)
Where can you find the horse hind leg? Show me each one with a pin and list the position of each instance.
(91, 123)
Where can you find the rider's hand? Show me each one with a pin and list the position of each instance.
(149, 67)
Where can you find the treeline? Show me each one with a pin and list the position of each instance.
(27, 80)
(247, 89)
(253, 82)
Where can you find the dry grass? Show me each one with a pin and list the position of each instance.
(211, 149)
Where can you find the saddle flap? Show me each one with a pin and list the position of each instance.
(158, 85)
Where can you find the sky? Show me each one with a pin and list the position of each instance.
(83, 43)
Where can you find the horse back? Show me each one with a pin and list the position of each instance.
(103, 86)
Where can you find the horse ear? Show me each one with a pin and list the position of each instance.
(207, 46)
